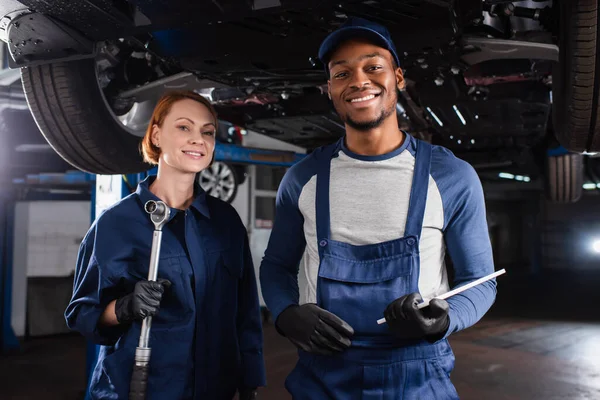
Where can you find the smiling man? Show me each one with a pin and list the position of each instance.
(367, 222)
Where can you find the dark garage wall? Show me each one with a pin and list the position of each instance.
(529, 234)
(512, 225)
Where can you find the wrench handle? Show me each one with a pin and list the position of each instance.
(154, 255)
(139, 378)
(139, 382)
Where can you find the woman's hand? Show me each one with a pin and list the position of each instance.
(143, 302)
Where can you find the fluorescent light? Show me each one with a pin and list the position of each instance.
(527, 179)
(589, 186)
(435, 117)
(519, 178)
(506, 175)
(472, 141)
(596, 246)
(462, 119)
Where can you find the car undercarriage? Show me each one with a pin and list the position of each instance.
(491, 80)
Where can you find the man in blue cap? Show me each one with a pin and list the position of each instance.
(367, 222)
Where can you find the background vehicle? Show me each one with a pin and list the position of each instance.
(508, 86)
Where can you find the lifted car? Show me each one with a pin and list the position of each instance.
(502, 84)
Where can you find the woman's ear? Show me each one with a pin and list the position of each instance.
(155, 135)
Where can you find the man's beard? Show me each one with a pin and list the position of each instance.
(365, 126)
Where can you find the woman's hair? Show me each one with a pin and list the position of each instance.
(149, 151)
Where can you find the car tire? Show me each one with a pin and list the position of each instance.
(564, 178)
(220, 180)
(70, 111)
(576, 77)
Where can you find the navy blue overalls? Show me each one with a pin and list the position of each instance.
(357, 283)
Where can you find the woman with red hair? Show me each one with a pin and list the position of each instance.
(206, 335)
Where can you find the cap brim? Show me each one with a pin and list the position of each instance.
(332, 42)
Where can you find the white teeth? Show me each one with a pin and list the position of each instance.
(369, 97)
(193, 153)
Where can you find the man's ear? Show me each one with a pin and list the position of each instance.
(329, 89)
(400, 82)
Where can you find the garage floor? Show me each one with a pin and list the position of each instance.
(539, 342)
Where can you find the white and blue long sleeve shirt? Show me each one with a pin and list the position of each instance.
(369, 198)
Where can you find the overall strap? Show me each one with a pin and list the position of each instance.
(322, 195)
(418, 192)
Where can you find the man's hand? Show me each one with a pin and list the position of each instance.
(143, 302)
(248, 394)
(406, 321)
(315, 330)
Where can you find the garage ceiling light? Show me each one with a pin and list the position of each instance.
(520, 178)
(435, 117)
(462, 119)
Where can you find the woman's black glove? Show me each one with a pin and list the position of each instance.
(143, 302)
(406, 321)
(314, 329)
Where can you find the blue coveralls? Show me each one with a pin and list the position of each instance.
(357, 283)
(206, 340)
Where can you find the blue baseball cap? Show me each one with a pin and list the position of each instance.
(356, 27)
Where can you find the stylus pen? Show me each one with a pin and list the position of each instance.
(444, 296)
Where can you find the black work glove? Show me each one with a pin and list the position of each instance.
(248, 394)
(406, 321)
(143, 302)
(314, 330)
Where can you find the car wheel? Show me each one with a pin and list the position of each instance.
(576, 77)
(69, 105)
(564, 178)
(220, 180)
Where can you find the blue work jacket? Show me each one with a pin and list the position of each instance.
(206, 340)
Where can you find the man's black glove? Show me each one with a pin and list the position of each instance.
(143, 302)
(248, 394)
(406, 321)
(314, 330)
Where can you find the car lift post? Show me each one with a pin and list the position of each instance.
(127, 184)
(8, 340)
